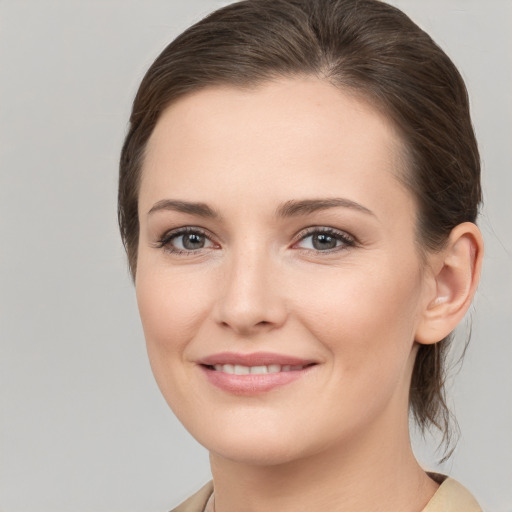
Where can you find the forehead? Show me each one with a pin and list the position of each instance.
(294, 137)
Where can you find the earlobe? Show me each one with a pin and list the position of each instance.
(456, 272)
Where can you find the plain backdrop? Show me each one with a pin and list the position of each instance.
(82, 424)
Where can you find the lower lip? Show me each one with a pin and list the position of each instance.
(252, 384)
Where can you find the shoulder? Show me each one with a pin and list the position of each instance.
(451, 497)
(197, 501)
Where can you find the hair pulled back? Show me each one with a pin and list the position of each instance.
(364, 46)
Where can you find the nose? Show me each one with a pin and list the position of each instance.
(251, 298)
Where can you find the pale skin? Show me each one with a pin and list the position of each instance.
(258, 280)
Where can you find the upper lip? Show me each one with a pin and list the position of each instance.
(254, 359)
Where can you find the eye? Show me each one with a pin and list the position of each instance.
(325, 240)
(185, 240)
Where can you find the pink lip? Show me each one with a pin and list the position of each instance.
(253, 384)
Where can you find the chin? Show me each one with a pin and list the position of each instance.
(254, 454)
(256, 446)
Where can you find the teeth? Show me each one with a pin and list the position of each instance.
(259, 369)
(241, 370)
(238, 369)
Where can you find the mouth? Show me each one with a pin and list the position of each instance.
(253, 374)
(238, 369)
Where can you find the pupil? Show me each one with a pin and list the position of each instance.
(193, 241)
(324, 242)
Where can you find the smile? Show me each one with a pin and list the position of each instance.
(253, 374)
(238, 369)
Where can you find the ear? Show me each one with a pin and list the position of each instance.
(453, 278)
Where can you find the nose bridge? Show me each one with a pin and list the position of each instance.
(251, 298)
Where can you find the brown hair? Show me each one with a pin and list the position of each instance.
(364, 46)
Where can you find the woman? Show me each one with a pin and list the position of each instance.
(297, 198)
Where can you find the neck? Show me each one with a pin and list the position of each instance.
(367, 472)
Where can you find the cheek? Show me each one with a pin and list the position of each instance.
(171, 310)
(366, 316)
(171, 305)
(366, 322)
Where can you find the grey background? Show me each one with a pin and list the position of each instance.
(82, 424)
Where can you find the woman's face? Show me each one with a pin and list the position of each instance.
(275, 237)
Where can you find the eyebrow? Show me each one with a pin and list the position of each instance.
(200, 209)
(292, 208)
(302, 207)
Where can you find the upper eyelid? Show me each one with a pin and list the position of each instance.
(166, 237)
(303, 231)
(323, 229)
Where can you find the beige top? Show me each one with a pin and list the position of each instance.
(450, 497)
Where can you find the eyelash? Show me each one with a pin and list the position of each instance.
(346, 240)
(164, 242)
